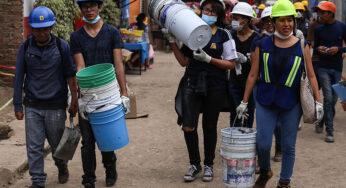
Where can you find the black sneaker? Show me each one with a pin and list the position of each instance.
(329, 137)
(36, 186)
(319, 127)
(191, 174)
(208, 173)
(89, 185)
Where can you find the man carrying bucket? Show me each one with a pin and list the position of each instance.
(45, 66)
(95, 43)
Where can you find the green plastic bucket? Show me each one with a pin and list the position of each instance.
(96, 75)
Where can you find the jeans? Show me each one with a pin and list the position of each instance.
(327, 78)
(238, 94)
(267, 119)
(39, 125)
(211, 105)
(88, 153)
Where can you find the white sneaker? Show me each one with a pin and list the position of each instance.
(191, 174)
(208, 173)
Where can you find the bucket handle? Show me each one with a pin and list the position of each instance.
(242, 123)
(163, 17)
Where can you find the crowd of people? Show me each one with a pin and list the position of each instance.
(255, 57)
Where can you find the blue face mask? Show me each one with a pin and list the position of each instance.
(92, 21)
(210, 20)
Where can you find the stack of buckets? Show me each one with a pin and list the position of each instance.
(181, 21)
(238, 151)
(100, 93)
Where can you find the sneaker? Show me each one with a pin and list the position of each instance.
(208, 173)
(319, 127)
(36, 186)
(191, 174)
(63, 175)
(329, 137)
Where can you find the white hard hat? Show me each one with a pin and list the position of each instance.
(243, 9)
(266, 12)
(220, 1)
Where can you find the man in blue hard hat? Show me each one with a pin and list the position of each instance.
(45, 66)
(95, 43)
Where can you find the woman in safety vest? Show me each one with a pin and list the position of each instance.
(279, 62)
(203, 87)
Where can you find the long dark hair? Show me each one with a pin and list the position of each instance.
(218, 9)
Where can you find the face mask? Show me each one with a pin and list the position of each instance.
(267, 33)
(300, 15)
(92, 21)
(276, 33)
(314, 16)
(210, 20)
(236, 25)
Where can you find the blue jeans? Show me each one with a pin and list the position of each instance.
(39, 125)
(238, 94)
(267, 119)
(88, 153)
(327, 78)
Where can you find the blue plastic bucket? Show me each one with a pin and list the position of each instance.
(109, 129)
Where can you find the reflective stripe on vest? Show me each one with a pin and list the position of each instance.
(293, 72)
(266, 71)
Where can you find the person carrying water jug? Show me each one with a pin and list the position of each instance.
(203, 87)
(95, 43)
(278, 63)
(45, 66)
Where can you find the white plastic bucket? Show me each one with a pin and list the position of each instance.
(238, 151)
(101, 92)
(187, 27)
(96, 106)
(182, 22)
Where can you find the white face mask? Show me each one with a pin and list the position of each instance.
(236, 25)
(267, 33)
(300, 15)
(276, 33)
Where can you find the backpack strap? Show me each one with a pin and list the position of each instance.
(58, 43)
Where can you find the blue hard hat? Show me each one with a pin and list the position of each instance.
(97, 1)
(41, 17)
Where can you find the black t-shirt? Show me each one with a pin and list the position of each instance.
(243, 47)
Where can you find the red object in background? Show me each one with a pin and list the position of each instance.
(78, 22)
(27, 28)
(228, 15)
(251, 2)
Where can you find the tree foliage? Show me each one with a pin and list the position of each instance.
(66, 10)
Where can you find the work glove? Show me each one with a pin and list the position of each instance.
(241, 110)
(82, 109)
(241, 58)
(200, 55)
(319, 111)
(167, 35)
(126, 104)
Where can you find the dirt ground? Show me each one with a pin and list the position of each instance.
(157, 156)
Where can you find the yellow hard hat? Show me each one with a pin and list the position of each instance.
(261, 6)
(305, 3)
(299, 6)
(283, 8)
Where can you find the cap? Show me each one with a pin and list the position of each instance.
(327, 6)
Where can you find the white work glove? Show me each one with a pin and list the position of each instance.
(200, 55)
(319, 111)
(167, 35)
(126, 104)
(241, 110)
(241, 58)
(82, 109)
